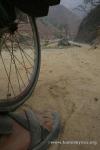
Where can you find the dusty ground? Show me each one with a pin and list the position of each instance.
(69, 83)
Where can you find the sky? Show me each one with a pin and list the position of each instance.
(71, 3)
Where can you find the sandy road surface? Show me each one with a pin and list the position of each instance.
(70, 84)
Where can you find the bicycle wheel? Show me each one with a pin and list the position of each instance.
(19, 62)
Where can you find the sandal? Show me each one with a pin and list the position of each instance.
(29, 130)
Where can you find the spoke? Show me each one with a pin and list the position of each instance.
(23, 59)
(1, 43)
(7, 73)
(14, 57)
(21, 52)
(27, 55)
(24, 51)
(24, 65)
(9, 79)
(32, 46)
(20, 62)
(16, 69)
(9, 76)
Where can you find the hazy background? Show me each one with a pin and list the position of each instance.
(71, 3)
(71, 20)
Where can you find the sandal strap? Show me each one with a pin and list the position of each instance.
(35, 129)
(20, 120)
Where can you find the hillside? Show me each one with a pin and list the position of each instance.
(80, 11)
(58, 19)
(89, 26)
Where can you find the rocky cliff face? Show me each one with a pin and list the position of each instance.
(89, 27)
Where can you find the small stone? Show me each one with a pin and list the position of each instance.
(9, 95)
(96, 99)
(50, 71)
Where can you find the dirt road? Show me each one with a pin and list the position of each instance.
(70, 84)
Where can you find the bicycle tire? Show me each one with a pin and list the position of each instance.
(12, 104)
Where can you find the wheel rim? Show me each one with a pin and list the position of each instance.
(19, 59)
